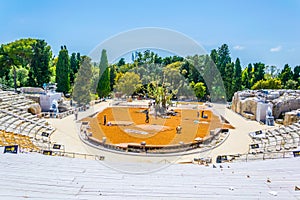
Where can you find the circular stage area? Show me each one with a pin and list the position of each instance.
(124, 127)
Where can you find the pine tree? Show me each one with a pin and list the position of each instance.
(81, 92)
(62, 71)
(223, 59)
(103, 88)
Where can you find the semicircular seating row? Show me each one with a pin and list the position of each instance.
(16, 120)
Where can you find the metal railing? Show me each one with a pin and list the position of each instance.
(77, 155)
(261, 154)
(62, 153)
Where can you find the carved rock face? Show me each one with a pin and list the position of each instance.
(245, 102)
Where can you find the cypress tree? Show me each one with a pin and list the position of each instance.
(62, 71)
(237, 75)
(112, 74)
(228, 81)
(250, 76)
(103, 88)
(73, 68)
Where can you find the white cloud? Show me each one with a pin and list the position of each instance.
(238, 47)
(276, 49)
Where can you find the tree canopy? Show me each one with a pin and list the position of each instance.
(128, 83)
(215, 76)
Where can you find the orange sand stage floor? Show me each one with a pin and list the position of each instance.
(130, 126)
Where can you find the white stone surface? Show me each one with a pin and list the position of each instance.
(35, 176)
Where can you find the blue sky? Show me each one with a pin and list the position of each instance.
(256, 30)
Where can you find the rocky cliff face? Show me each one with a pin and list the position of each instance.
(245, 102)
(285, 104)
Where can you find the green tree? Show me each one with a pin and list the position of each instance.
(13, 55)
(112, 76)
(40, 73)
(121, 62)
(259, 72)
(75, 61)
(63, 71)
(161, 94)
(296, 73)
(21, 76)
(250, 76)
(185, 69)
(286, 74)
(52, 67)
(81, 91)
(272, 83)
(291, 84)
(103, 88)
(8, 61)
(237, 82)
(213, 81)
(73, 68)
(94, 78)
(245, 81)
(128, 83)
(31, 80)
(214, 56)
(228, 81)
(223, 59)
(174, 81)
(196, 68)
(199, 89)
